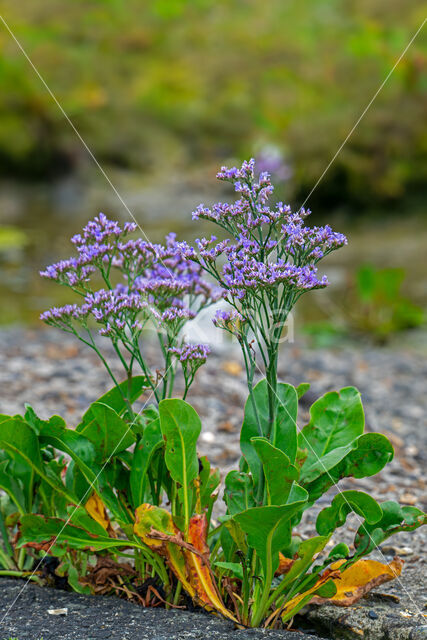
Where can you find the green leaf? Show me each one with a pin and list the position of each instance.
(73, 580)
(284, 432)
(77, 446)
(209, 482)
(239, 492)
(83, 453)
(366, 456)
(327, 590)
(145, 448)
(10, 486)
(306, 553)
(107, 430)
(235, 568)
(33, 421)
(278, 470)
(336, 420)
(268, 530)
(339, 552)
(141, 420)
(302, 389)
(395, 518)
(181, 428)
(22, 444)
(232, 527)
(344, 503)
(79, 517)
(114, 397)
(36, 529)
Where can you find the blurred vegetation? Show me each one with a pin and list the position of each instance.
(176, 83)
(11, 239)
(373, 306)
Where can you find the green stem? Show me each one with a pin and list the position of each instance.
(6, 561)
(3, 532)
(20, 574)
(177, 593)
(21, 558)
(266, 586)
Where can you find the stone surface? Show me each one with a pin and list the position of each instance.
(99, 618)
(373, 618)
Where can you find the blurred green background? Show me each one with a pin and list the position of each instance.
(164, 91)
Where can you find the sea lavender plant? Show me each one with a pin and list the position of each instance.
(141, 491)
(143, 285)
(268, 262)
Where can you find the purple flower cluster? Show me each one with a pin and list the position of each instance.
(269, 259)
(154, 279)
(73, 272)
(311, 242)
(63, 316)
(246, 275)
(231, 321)
(97, 247)
(191, 357)
(191, 353)
(271, 248)
(100, 229)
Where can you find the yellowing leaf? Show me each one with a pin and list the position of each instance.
(188, 559)
(96, 509)
(285, 565)
(156, 529)
(200, 573)
(353, 583)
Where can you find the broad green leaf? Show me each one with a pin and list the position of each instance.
(20, 441)
(283, 434)
(278, 470)
(77, 446)
(39, 530)
(73, 578)
(268, 530)
(107, 430)
(344, 503)
(238, 492)
(33, 421)
(150, 441)
(302, 389)
(235, 568)
(79, 517)
(395, 518)
(209, 482)
(83, 453)
(336, 420)
(339, 552)
(366, 456)
(237, 534)
(141, 420)
(9, 484)
(114, 397)
(181, 428)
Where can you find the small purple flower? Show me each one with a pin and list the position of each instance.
(191, 352)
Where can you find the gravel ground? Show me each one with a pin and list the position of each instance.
(55, 375)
